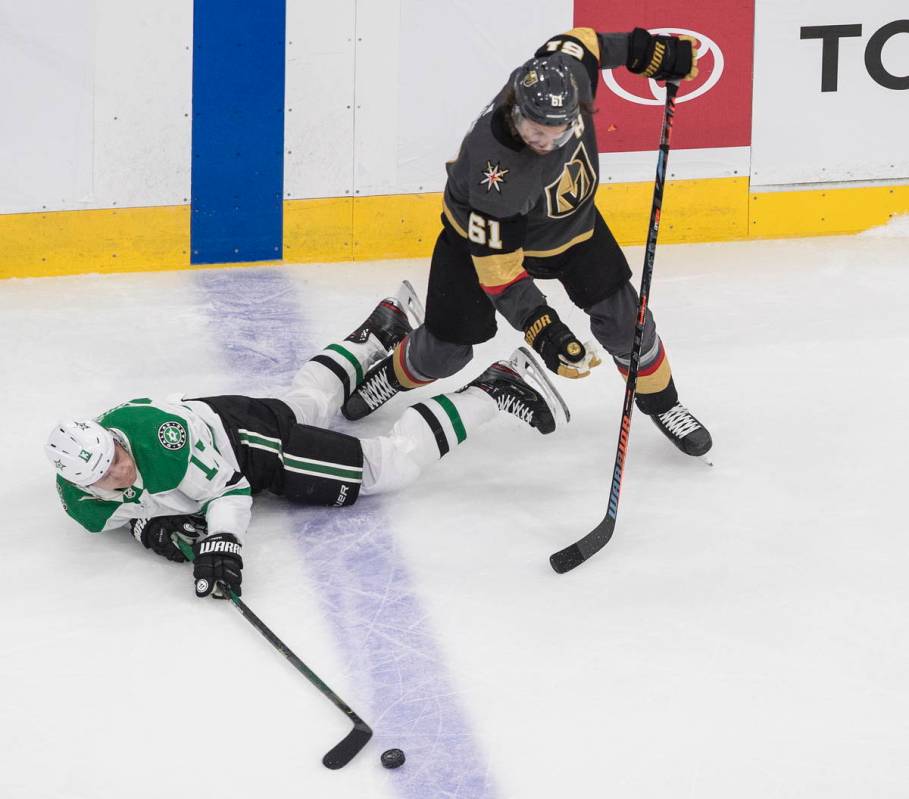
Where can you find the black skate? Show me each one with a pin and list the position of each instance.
(379, 385)
(534, 403)
(683, 430)
(389, 321)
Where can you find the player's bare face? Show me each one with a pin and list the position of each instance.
(542, 139)
(121, 474)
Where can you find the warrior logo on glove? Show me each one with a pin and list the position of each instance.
(217, 566)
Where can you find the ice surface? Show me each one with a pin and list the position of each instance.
(743, 635)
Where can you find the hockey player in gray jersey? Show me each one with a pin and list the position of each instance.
(190, 467)
(519, 207)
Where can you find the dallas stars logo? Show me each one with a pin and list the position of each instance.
(493, 177)
(172, 435)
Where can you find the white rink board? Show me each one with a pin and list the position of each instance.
(319, 108)
(379, 95)
(47, 46)
(803, 135)
(425, 71)
(143, 103)
(96, 104)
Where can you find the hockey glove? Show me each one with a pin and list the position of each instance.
(662, 57)
(217, 563)
(558, 346)
(157, 534)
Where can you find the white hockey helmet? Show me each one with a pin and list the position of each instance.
(81, 450)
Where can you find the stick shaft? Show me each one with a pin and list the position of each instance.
(575, 554)
(644, 298)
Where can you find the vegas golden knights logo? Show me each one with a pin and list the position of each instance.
(576, 183)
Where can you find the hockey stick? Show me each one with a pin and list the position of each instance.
(574, 555)
(359, 736)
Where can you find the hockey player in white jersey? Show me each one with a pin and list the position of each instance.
(189, 467)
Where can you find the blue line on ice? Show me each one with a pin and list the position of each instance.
(384, 633)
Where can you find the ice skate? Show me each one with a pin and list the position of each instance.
(682, 429)
(392, 319)
(391, 322)
(520, 387)
(379, 385)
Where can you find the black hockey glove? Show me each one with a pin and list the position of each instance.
(558, 346)
(217, 560)
(661, 57)
(157, 534)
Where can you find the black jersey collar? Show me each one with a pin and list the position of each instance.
(501, 130)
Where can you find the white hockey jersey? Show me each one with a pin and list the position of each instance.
(185, 465)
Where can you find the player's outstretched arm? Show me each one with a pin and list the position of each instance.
(651, 55)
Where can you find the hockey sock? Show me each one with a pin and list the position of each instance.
(449, 417)
(349, 361)
(327, 380)
(407, 376)
(655, 388)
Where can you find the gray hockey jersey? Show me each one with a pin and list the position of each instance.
(509, 202)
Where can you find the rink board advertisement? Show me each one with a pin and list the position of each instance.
(831, 92)
(714, 108)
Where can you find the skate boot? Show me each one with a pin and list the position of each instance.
(683, 430)
(379, 385)
(391, 322)
(388, 322)
(532, 402)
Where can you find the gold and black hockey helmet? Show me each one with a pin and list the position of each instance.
(546, 91)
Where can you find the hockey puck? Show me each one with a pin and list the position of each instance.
(393, 758)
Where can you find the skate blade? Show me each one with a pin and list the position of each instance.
(706, 460)
(525, 364)
(411, 304)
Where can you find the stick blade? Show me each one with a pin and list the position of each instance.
(566, 559)
(348, 748)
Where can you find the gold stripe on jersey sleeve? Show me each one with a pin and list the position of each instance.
(559, 250)
(587, 37)
(499, 270)
(452, 221)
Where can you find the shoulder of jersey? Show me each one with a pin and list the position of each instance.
(500, 176)
(160, 440)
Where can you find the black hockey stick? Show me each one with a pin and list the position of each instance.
(574, 555)
(359, 736)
